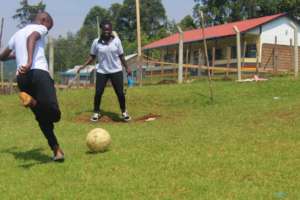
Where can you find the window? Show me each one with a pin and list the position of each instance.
(233, 52)
(219, 54)
(251, 51)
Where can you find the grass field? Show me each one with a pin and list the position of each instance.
(245, 145)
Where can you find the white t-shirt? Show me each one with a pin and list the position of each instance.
(108, 55)
(18, 43)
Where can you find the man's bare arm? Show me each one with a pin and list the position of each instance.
(7, 54)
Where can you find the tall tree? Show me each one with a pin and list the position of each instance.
(216, 11)
(187, 23)
(69, 51)
(153, 18)
(115, 10)
(221, 11)
(26, 13)
(88, 31)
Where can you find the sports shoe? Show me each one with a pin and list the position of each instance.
(126, 117)
(27, 100)
(95, 117)
(59, 155)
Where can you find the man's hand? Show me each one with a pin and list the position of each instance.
(24, 69)
(7, 54)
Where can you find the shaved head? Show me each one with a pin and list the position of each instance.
(45, 19)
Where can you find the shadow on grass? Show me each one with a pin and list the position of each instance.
(97, 153)
(114, 116)
(84, 116)
(30, 155)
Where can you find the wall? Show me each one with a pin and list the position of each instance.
(280, 55)
(280, 28)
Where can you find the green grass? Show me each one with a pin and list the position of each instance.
(245, 145)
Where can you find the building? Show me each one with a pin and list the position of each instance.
(266, 43)
(86, 75)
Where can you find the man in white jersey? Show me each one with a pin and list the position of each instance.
(109, 52)
(37, 89)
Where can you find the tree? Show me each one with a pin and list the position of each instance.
(88, 31)
(187, 23)
(27, 13)
(115, 10)
(153, 18)
(221, 11)
(216, 11)
(69, 51)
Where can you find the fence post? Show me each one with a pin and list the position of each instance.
(257, 54)
(1, 63)
(238, 48)
(275, 57)
(2, 74)
(244, 53)
(139, 42)
(180, 56)
(199, 62)
(11, 86)
(187, 62)
(51, 57)
(213, 59)
(228, 58)
(296, 64)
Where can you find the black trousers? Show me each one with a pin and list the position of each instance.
(118, 85)
(40, 86)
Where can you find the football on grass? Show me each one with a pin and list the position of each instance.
(98, 140)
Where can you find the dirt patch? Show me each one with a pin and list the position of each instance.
(148, 117)
(286, 114)
(85, 118)
(280, 115)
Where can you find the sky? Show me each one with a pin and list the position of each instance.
(69, 14)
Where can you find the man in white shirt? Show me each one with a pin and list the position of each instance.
(37, 89)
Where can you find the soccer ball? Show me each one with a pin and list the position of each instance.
(98, 140)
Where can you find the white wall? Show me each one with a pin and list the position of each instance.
(280, 28)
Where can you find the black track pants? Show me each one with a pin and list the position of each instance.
(118, 85)
(40, 86)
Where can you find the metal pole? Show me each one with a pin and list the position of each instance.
(180, 56)
(296, 59)
(238, 48)
(138, 28)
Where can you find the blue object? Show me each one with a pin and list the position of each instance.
(130, 81)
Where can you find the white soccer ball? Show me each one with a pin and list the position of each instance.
(98, 140)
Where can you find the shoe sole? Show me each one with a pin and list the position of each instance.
(61, 159)
(25, 98)
(94, 120)
(127, 120)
